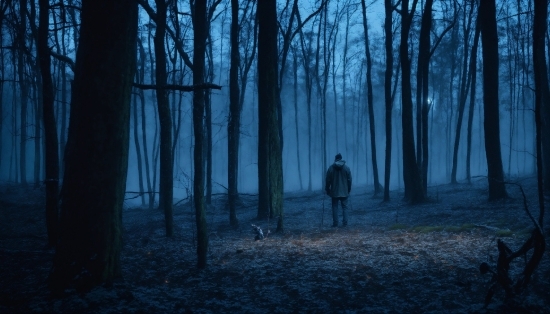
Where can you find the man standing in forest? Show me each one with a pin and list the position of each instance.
(338, 186)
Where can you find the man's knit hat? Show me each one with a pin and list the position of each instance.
(338, 157)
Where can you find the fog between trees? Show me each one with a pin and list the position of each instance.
(330, 45)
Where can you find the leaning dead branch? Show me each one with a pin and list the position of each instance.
(501, 277)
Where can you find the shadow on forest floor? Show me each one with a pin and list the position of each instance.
(391, 258)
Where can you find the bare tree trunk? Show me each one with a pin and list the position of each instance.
(208, 125)
(2, 67)
(309, 88)
(90, 241)
(322, 88)
(463, 92)
(62, 116)
(199, 44)
(543, 92)
(473, 74)
(489, 40)
(344, 86)
(50, 130)
(63, 131)
(542, 97)
(166, 180)
(233, 126)
(413, 182)
(36, 89)
(24, 89)
(141, 77)
(1, 102)
(335, 100)
(13, 169)
(387, 95)
(422, 88)
(270, 152)
(38, 128)
(138, 149)
(377, 186)
(298, 148)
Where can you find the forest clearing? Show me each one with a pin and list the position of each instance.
(392, 257)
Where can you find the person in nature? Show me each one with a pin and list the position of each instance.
(338, 187)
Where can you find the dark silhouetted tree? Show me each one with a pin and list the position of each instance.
(464, 84)
(270, 175)
(96, 157)
(542, 98)
(50, 129)
(388, 99)
(199, 43)
(414, 192)
(234, 124)
(489, 41)
(166, 175)
(377, 186)
(473, 74)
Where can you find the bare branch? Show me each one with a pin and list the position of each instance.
(63, 58)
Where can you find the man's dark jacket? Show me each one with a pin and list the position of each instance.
(338, 179)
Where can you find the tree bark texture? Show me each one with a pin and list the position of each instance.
(542, 92)
(24, 88)
(234, 124)
(199, 43)
(166, 177)
(473, 74)
(542, 97)
(489, 41)
(388, 104)
(370, 102)
(411, 174)
(422, 88)
(463, 92)
(88, 250)
(270, 174)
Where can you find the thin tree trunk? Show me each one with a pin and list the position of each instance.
(199, 44)
(2, 67)
(38, 128)
(377, 186)
(166, 180)
(309, 87)
(542, 99)
(233, 125)
(422, 101)
(150, 187)
(543, 89)
(298, 148)
(50, 130)
(138, 150)
(36, 90)
(413, 182)
(489, 40)
(335, 100)
(208, 121)
(24, 90)
(63, 131)
(473, 74)
(388, 99)
(463, 92)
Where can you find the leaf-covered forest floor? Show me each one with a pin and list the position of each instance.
(391, 258)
